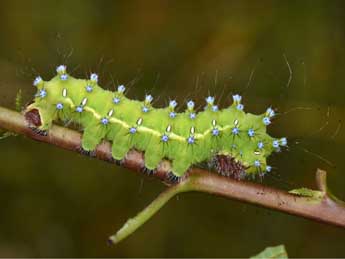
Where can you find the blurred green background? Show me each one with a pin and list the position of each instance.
(59, 203)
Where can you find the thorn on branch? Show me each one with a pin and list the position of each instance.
(321, 180)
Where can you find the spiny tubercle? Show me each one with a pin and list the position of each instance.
(185, 138)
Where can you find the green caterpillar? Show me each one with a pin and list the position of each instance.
(236, 140)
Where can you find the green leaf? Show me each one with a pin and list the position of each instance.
(305, 192)
(272, 252)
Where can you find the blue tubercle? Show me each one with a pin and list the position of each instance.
(172, 104)
(94, 77)
(210, 100)
(257, 163)
(191, 140)
(61, 69)
(236, 98)
(190, 105)
(132, 130)
(251, 133)
(165, 138)
(37, 81)
(104, 121)
(215, 132)
(275, 143)
(64, 77)
(89, 88)
(148, 98)
(215, 108)
(116, 100)
(79, 109)
(240, 107)
(192, 115)
(59, 106)
(260, 145)
(266, 121)
(235, 131)
(270, 112)
(121, 88)
(42, 93)
(172, 115)
(283, 142)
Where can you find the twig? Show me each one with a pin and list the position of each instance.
(133, 224)
(327, 209)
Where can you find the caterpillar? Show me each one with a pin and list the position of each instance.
(234, 141)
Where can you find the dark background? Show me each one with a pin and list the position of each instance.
(58, 203)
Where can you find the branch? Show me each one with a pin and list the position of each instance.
(134, 223)
(325, 208)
